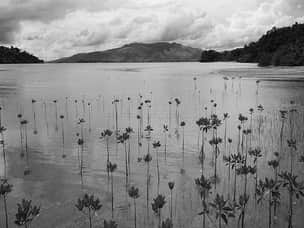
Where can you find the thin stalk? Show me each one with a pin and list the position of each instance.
(5, 210)
(66, 108)
(90, 218)
(126, 161)
(158, 176)
(134, 213)
(45, 118)
(269, 210)
(62, 128)
(112, 195)
(171, 205)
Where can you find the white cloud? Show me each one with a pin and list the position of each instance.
(55, 28)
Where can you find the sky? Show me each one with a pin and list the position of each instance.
(52, 29)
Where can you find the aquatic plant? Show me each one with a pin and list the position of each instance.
(156, 145)
(122, 138)
(204, 186)
(177, 114)
(109, 224)
(215, 141)
(80, 143)
(194, 81)
(90, 113)
(26, 213)
(148, 103)
(251, 111)
(56, 115)
(115, 102)
(34, 114)
(147, 158)
(169, 115)
(183, 124)
(83, 106)
(165, 130)
(292, 144)
(149, 129)
(67, 107)
(167, 223)
(204, 125)
(157, 204)
(62, 134)
(241, 206)
(19, 116)
(5, 189)
(133, 193)
(222, 209)
(88, 205)
(106, 134)
(227, 161)
(111, 167)
(129, 131)
(226, 116)
(260, 122)
(256, 154)
(27, 168)
(171, 187)
(283, 117)
(268, 187)
(76, 108)
(45, 117)
(236, 160)
(294, 188)
(245, 170)
(2, 130)
(129, 111)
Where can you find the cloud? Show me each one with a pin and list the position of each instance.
(247, 26)
(56, 28)
(83, 31)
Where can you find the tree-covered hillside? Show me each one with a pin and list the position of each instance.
(15, 55)
(278, 47)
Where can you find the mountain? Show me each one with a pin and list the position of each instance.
(15, 55)
(278, 47)
(139, 52)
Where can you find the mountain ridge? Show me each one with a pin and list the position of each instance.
(138, 52)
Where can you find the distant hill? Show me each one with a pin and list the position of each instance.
(15, 55)
(138, 52)
(278, 47)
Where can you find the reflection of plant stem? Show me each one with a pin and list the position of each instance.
(45, 118)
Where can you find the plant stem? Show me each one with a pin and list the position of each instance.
(5, 210)
(269, 210)
(134, 213)
(112, 194)
(158, 176)
(171, 206)
(90, 218)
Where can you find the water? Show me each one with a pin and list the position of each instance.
(55, 182)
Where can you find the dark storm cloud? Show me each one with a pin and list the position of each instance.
(15, 11)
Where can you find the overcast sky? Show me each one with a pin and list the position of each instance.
(57, 28)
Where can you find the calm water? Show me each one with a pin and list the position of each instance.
(55, 183)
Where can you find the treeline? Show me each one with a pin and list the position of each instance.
(278, 47)
(15, 55)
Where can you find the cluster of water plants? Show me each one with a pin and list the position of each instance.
(247, 163)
